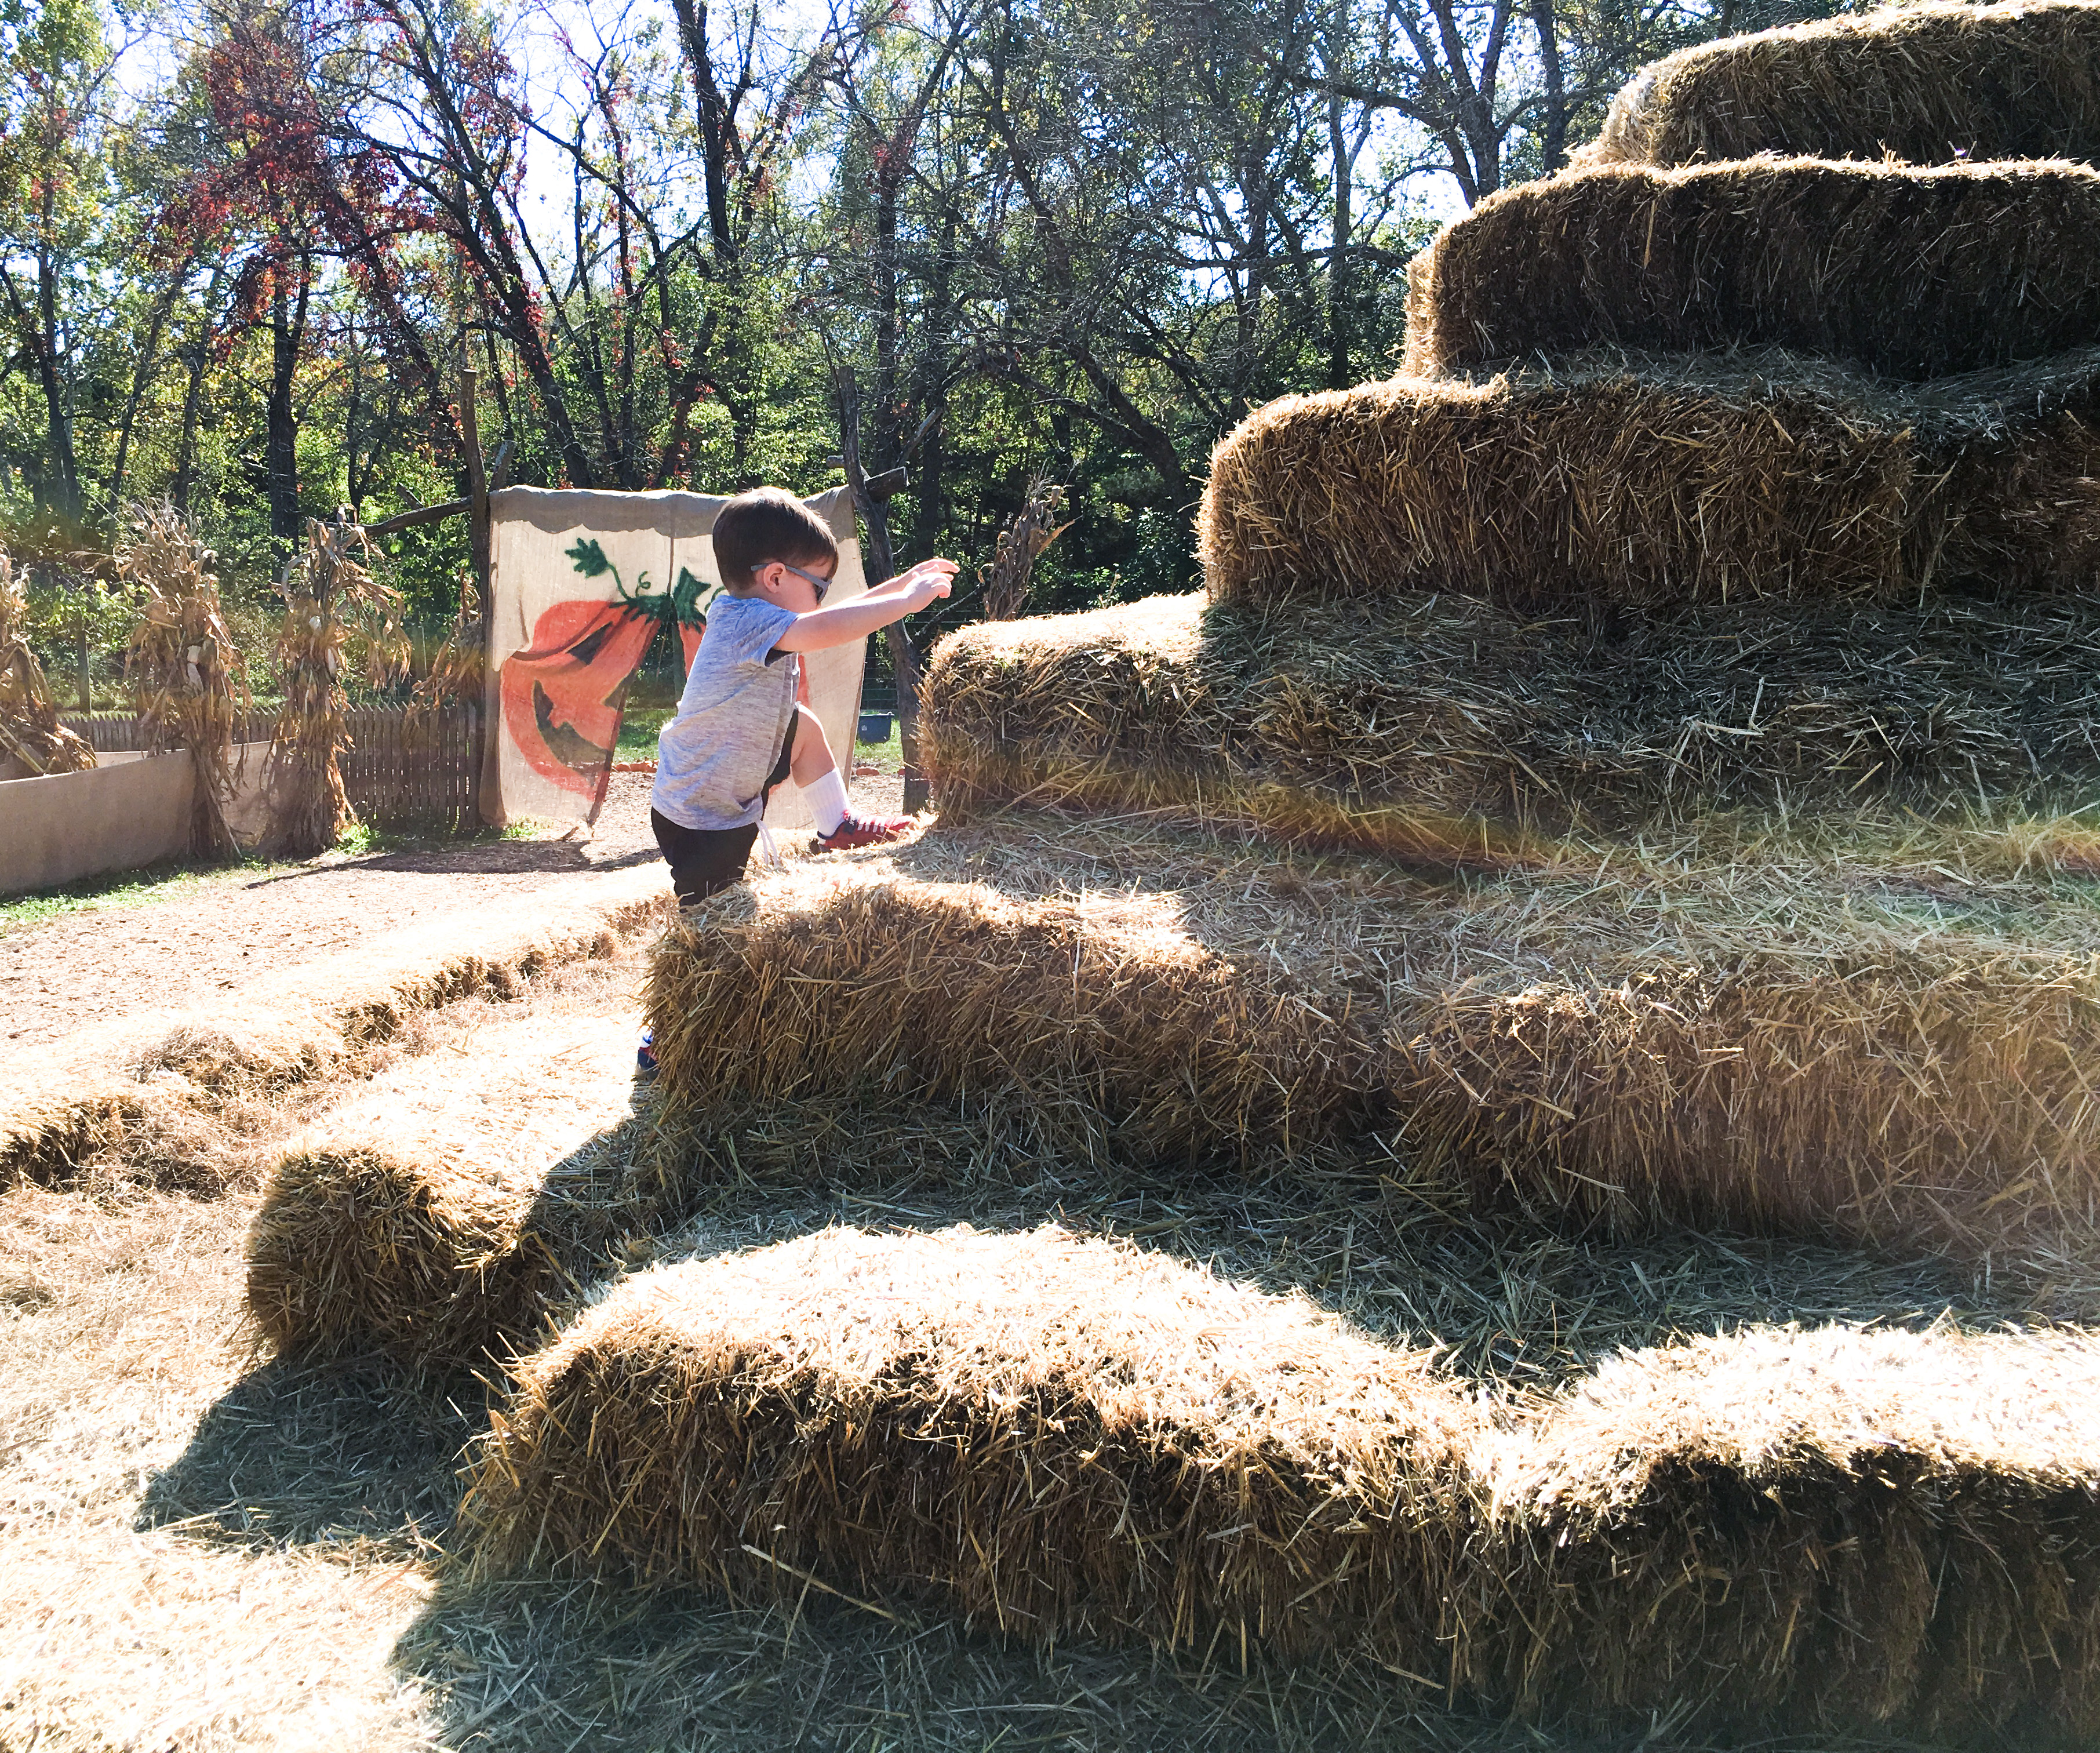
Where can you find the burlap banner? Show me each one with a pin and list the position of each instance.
(583, 582)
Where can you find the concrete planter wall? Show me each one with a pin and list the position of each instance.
(61, 826)
(131, 810)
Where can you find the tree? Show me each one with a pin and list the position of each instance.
(56, 118)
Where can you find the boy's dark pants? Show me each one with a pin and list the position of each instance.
(704, 861)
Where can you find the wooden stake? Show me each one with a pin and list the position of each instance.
(477, 546)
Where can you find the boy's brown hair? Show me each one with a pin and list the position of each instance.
(765, 524)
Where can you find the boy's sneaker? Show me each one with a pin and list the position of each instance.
(865, 831)
(644, 1055)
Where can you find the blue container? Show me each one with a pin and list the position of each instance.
(874, 726)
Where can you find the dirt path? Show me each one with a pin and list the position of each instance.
(210, 937)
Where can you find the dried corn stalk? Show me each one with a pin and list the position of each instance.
(29, 727)
(337, 618)
(1027, 533)
(181, 666)
(456, 671)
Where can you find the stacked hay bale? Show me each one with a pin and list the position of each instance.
(441, 1214)
(1444, 730)
(1726, 403)
(1058, 1434)
(1785, 252)
(1939, 81)
(1829, 1529)
(1663, 480)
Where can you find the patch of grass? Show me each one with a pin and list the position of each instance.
(638, 730)
(156, 882)
(888, 754)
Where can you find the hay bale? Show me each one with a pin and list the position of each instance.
(1810, 1045)
(1445, 729)
(1661, 480)
(1057, 1434)
(1832, 1528)
(1914, 272)
(1922, 1097)
(1098, 1024)
(440, 1212)
(1928, 83)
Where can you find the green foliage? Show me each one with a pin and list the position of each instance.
(1072, 238)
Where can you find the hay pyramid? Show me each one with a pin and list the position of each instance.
(1757, 606)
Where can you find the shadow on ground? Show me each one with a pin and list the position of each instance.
(546, 1666)
(343, 1455)
(492, 858)
(533, 1666)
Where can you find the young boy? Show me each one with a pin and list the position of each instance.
(741, 729)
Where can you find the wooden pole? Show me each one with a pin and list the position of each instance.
(477, 484)
(903, 659)
(478, 548)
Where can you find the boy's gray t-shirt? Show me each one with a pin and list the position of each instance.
(713, 758)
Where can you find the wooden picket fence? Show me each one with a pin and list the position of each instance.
(425, 778)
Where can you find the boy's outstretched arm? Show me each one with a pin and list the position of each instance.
(820, 629)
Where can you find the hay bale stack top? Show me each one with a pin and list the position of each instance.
(1914, 273)
(1928, 84)
(1661, 479)
(1061, 1434)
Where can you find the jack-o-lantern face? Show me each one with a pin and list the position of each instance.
(562, 697)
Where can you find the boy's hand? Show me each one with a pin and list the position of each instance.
(938, 567)
(821, 628)
(926, 581)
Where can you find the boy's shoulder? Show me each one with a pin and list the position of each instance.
(742, 627)
(749, 606)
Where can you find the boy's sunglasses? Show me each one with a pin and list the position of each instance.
(823, 585)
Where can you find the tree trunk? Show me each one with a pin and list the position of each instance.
(1344, 171)
(288, 322)
(716, 124)
(65, 469)
(1553, 136)
(141, 377)
(888, 318)
(186, 446)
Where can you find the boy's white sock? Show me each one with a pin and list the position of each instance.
(827, 799)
